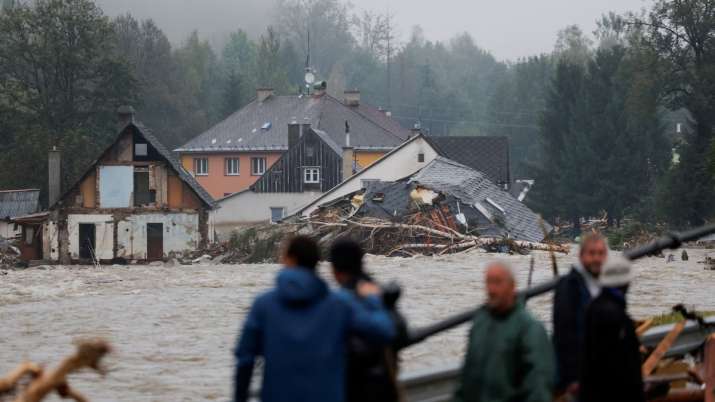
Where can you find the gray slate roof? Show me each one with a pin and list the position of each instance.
(485, 154)
(243, 131)
(14, 203)
(473, 187)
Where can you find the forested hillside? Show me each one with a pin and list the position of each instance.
(590, 121)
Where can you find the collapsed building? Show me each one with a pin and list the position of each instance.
(135, 202)
(443, 207)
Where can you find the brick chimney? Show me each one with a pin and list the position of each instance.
(264, 93)
(54, 176)
(352, 97)
(125, 115)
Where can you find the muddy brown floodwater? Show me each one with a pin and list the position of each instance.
(174, 328)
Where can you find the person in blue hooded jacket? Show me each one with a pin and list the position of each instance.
(301, 328)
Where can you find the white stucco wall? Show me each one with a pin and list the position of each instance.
(181, 233)
(104, 237)
(248, 208)
(394, 166)
(50, 241)
(7, 230)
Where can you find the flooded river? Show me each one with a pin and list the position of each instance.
(174, 328)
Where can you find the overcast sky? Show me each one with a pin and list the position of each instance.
(508, 28)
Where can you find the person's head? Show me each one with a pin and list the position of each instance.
(617, 273)
(593, 252)
(301, 251)
(346, 257)
(501, 286)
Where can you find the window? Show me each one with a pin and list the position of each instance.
(232, 167)
(420, 158)
(311, 175)
(309, 152)
(141, 150)
(143, 194)
(277, 214)
(201, 166)
(258, 166)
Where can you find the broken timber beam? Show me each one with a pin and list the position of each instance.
(9, 382)
(660, 350)
(645, 326)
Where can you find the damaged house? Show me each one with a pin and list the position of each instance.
(417, 199)
(14, 203)
(135, 202)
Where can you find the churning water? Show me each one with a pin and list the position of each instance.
(174, 328)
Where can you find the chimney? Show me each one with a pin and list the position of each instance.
(304, 128)
(264, 93)
(348, 162)
(126, 115)
(348, 155)
(54, 175)
(352, 97)
(293, 134)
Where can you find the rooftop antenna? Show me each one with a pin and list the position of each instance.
(309, 74)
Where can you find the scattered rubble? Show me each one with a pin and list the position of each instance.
(9, 255)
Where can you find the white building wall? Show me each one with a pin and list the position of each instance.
(248, 208)
(181, 233)
(396, 165)
(104, 238)
(50, 241)
(7, 230)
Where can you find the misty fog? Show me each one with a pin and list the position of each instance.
(509, 29)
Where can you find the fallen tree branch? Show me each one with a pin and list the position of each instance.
(88, 355)
(9, 382)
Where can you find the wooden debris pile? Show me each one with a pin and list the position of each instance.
(44, 382)
(426, 223)
(9, 254)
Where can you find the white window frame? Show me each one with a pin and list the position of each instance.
(254, 171)
(311, 175)
(198, 164)
(228, 164)
(283, 213)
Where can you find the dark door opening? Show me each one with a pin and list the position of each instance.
(155, 241)
(142, 194)
(87, 241)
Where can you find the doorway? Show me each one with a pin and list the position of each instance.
(87, 241)
(155, 241)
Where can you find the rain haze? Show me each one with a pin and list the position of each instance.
(509, 29)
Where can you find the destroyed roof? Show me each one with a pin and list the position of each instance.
(489, 155)
(175, 164)
(14, 203)
(264, 125)
(161, 149)
(473, 187)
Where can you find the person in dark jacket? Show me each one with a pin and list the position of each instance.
(509, 356)
(572, 296)
(611, 362)
(301, 328)
(372, 367)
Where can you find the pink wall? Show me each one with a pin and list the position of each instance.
(217, 183)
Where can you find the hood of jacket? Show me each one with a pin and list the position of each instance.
(300, 286)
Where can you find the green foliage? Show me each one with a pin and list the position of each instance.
(60, 84)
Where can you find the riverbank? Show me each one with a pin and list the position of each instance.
(174, 328)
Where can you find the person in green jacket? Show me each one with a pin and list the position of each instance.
(509, 356)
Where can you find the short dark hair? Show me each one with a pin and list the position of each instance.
(346, 256)
(304, 250)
